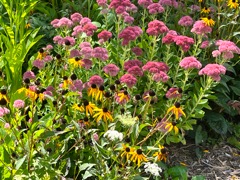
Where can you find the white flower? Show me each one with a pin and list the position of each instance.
(152, 168)
(113, 135)
(127, 119)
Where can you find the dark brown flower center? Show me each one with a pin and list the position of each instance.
(125, 92)
(177, 105)
(127, 149)
(105, 109)
(86, 103)
(163, 151)
(93, 86)
(139, 151)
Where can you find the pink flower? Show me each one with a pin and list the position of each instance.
(184, 42)
(29, 75)
(58, 39)
(86, 52)
(39, 64)
(130, 33)
(7, 126)
(114, 4)
(54, 23)
(169, 38)
(85, 44)
(155, 8)
(195, 8)
(102, 3)
(74, 53)
(87, 64)
(111, 69)
(201, 28)
(155, 67)
(4, 111)
(160, 76)
(135, 70)
(145, 3)
(216, 53)
(77, 30)
(77, 85)
(84, 21)
(128, 19)
(213, 70)
(48, 58)
(227, 48)
(174, 93)
(137, 51)
(129, 80)
(49, 47)
(76, 17)
(100, 53)
(89, 28)
(95, 136)
(130, 63)
(204, 44)
(18, 104)
(64, 22)
(156, 28)
(71, 40)
(172, 3)
(190, 63)
(95, 79)
(185, 21)
(104, 35)
(132, 8)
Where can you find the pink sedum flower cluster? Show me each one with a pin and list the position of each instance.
(185, 21)
(156, 27)
(129, 80)
(155, 8)
(111, 69)
(190, 63)
(130, 33)
(213, 70)
(201, 28)
(226, 49)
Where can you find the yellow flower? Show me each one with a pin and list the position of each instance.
(78, 107)
(100, 93)
(208, 21)
(122, 97)
(161, 154)
(102, 114)
(172, 126)
(138, 157)
(127, 151)
(233, 4)
(176, 110)
(28, 25)
(200, 1)
(205, 10)
(93, 90)
(41, 54)
(88, 106)
(76, 62)
(3, 97)
(66, 82)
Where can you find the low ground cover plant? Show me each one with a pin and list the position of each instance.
(107, 98)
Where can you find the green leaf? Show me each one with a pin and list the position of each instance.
(179, 172)
(200, 135)
(217, 122)
(203, 101)
(38, 133)
(86, 166)
(198, 177)
(6, 156)
(86, 175)
(20, 162)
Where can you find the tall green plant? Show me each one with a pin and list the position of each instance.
(15, 39)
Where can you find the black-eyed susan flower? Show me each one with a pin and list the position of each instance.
(76, 62)
(122, 97)
(100, 93)
(88, 106)
(176, 110)
(102, 114)
(126, 151)
(138, 156)
(205, 10)
(233, 4)
(161, 154)
(3, 97)
(29, 92)
(28, 25)
(41, 54)
(78, 107)
(93, 90)
(172, 126)
(66, 82)
(208, 21)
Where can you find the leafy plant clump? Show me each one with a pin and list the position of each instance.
(112, 93)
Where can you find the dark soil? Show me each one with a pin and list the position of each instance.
(220, 162)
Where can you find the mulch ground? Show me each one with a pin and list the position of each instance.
(221, 162)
